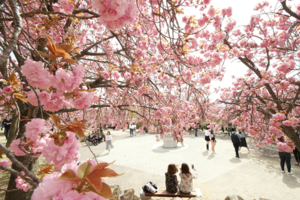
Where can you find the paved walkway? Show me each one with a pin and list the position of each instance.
(252, 176)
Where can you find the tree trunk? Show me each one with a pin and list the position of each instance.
(32, 164)
(290, 132)
(12, 129)
(28, 161)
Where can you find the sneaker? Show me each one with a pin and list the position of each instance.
(290, 172)
(248, 152)
(282, 171)
(215, 153)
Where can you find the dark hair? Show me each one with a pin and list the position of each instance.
(207, 128)
(108, 132)
(281, 139)
(240, 132)
(172, 169)
(185, 168)
(233, 129)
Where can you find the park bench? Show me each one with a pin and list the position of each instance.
(164, 193)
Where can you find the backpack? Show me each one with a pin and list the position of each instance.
(235, 138)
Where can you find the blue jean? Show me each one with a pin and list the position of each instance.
(131, 131)
(6, 132)
(196, 130)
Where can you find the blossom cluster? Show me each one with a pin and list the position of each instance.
(114, 14)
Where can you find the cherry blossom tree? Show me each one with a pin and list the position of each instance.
(71, 65)
(266, 100)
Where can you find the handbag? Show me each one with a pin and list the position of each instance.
(150, 188)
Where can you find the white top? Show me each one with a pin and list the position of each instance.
(207, 133)
(186, 182)
(132, 126)
(108, 137)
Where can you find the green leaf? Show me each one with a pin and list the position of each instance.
(84, 169)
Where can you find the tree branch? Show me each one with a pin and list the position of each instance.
(16, 33)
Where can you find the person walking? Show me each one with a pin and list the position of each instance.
(284, 152)
(6, 123)
(243, 142)
(235, 138)
(186, 182)
(171, 179)
(134, 129)
(196, 129)
(108, 141)
(213, 143)
(131, 128)
(207, 139)
(180, 139)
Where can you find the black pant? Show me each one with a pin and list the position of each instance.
(131, 131)
(296, 154)
(6, 132)
(236, 147)
(285, 157)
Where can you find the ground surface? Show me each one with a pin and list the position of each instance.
(141, 159)
(252, 176)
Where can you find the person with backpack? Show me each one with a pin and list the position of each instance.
(235, 138)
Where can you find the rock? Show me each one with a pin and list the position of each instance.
(129, 195)
(234, 197)
(116, 191)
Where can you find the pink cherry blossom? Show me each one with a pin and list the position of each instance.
(115, 13)
(36, 75)
(22, 184)
(35, 128)
(288, 123)
(206, 1)
(85, 101)
(279, 116)
(211, 12)
(68, 80)
(7, 90)
(205, 80)
(14, 146)
(60, 155)
(5, 163)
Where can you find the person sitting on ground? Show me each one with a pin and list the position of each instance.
(171, 179)
(186, 182)
(99, 136)
(92, 139)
